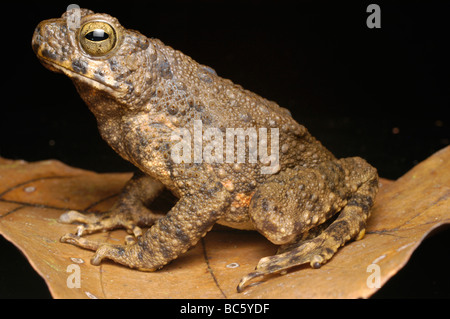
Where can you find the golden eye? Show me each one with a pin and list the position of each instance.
(97, 38)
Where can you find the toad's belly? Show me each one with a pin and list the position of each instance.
(244, 225)
(237, 217)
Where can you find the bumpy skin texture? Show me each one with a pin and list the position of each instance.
(141, 92)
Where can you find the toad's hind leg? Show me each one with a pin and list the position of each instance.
(349, 224)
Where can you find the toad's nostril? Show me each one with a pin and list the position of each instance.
(36, 41)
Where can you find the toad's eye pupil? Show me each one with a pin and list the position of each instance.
(97, 35)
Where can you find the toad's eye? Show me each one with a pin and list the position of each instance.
(97, 38)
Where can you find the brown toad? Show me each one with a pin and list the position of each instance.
(229, 156)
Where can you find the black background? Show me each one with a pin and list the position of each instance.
(382, 94)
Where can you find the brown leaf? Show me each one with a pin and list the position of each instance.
(34, 195)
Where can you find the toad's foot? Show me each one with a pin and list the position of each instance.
(315, 252)
(129, 212)
(104, 250)
(91, 223)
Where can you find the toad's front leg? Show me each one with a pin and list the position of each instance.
(129, 212)
(190, 219)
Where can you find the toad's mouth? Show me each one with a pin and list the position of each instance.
(68, 70)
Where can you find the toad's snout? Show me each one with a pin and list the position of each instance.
(47, 42)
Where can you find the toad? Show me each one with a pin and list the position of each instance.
(229, 156)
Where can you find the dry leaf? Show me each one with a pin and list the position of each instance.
(34, 195)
